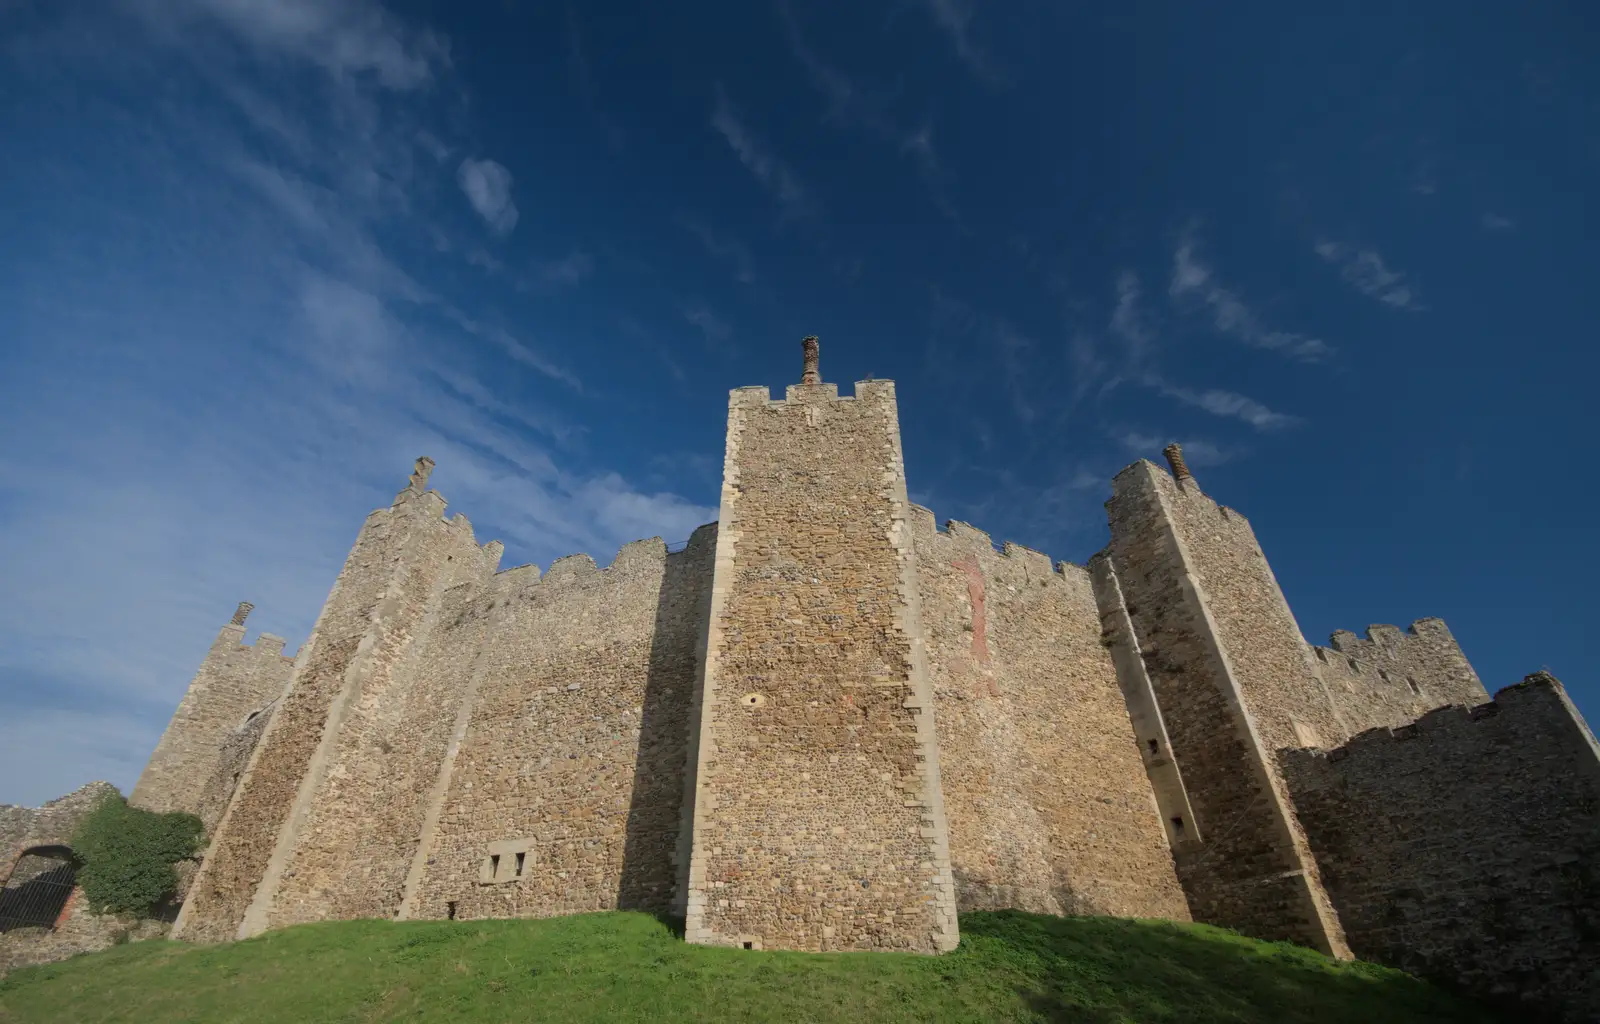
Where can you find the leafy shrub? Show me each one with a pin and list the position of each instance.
(127, 855)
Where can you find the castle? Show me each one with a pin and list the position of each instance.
(828, 724)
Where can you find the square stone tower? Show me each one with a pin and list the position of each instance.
(818, 817)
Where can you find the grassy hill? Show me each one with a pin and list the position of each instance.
(631, 967)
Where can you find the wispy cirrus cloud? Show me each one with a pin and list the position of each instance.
(853, 104)
(773, 174)
(487, 186)
(343, 37)
(954, 19)
(727, 248)
(1227, 404)
(1194, 281)
(271, 319)
(1497, 222)
(1366, 272)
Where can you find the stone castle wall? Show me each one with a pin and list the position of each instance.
(361, 815)
(234, 681)
(1389, 677)
(1231, 677)
(566, 793)
(376, 601)
(818, 819)
(1466, 847)
(1049, 806)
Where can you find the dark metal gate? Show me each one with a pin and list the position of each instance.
(39, 887)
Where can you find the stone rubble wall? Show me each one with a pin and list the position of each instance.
(571, 763)
(1388, 677)
(1049, 805)
(1242, 862)
(233, 681)
(286, 767)
(1466, 847)
(353, 845)
(76, 931)
(818, 815)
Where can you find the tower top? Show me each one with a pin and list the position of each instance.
(241, 613)
(419, 475)
(810, 351)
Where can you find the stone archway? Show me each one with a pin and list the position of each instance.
(38, 888)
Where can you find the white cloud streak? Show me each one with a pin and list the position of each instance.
(1365, 271)
(774, 175)
(1192, 279)
(1228, 404)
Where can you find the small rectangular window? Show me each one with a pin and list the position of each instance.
(1155, 748)
(522, 859)
(1177, 826)
(1414, 687)
(494, 865)
(450, 909)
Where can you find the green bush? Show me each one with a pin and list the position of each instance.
(126, 855)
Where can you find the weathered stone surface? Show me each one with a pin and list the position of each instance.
(234, 681)
(818, 817)
(566, 793)
(1049, 806)
(1466, 847)
(31, 842)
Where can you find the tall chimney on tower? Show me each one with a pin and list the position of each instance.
(812, 353)
(1180, 469)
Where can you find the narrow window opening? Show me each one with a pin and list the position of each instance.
(1353, 666)
(1177, 826)
(450, 910)
(1383, 675)
(1320, 655)
(749, 945)
(522, 859)
(1414, 687)
(1155, 748)
(494, 865)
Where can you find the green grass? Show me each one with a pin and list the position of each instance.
(631, 967)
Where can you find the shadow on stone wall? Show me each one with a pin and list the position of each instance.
(649, 869)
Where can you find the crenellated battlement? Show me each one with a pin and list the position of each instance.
(635, 557)
(963, 537)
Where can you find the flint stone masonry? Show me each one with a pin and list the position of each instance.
(818, 817)
(1388, 677)
(1464, 847)
(566, 794)
(1048, 803)
(828, 724)
(1233, 681)
(234, 681)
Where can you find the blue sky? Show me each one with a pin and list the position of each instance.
(257, 256)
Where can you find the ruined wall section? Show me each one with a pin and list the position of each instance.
(1049, 805)
(565, 795)
(50, 824)
(1389, 677)
(274, 792)
(352, 849)
(232, 761)
(234, 680)
(1212, 659)
(818, 817)
(1466, 847)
